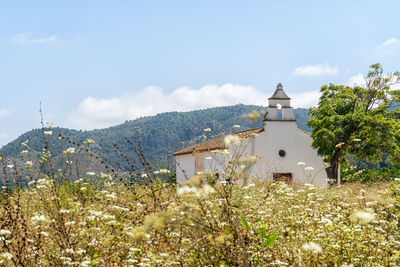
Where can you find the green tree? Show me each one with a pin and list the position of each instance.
(358, 120)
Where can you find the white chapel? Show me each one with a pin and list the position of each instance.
(283, 151)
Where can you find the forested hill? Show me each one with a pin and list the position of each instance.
(161, 135)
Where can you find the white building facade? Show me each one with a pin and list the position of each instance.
(278, 150)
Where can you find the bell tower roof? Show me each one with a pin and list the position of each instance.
(279, 93)
(279, 108)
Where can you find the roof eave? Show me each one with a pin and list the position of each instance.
(178, 153)
(278, 98)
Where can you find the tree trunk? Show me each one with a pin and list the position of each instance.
(333, 170)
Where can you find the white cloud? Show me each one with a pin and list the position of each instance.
(4, 112)
(356, 80)
(306, 99)
(95, 112)
(390, 43)
(26, 39)
(313, 70)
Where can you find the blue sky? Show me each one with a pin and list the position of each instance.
(95, 64)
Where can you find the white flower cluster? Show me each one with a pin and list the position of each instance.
(201, 192)
(6, 255)
(70, 150)
(365, 217)
(231, 139)
(312, 247)
(38, 218)
(5, 232)
(29, 164)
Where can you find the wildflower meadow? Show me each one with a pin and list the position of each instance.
(106, 219)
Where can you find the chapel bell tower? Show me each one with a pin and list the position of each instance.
(279, 99)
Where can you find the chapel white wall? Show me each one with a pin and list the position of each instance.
(297, 145)
(266, 145)
(185, 164)
(184, 167)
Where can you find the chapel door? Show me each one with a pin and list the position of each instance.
(283, 177)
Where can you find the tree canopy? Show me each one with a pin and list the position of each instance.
(358, 120)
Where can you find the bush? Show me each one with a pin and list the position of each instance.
(370, 175)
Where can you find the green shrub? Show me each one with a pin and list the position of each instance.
(370, 175)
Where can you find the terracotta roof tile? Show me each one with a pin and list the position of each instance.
(217, 143)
